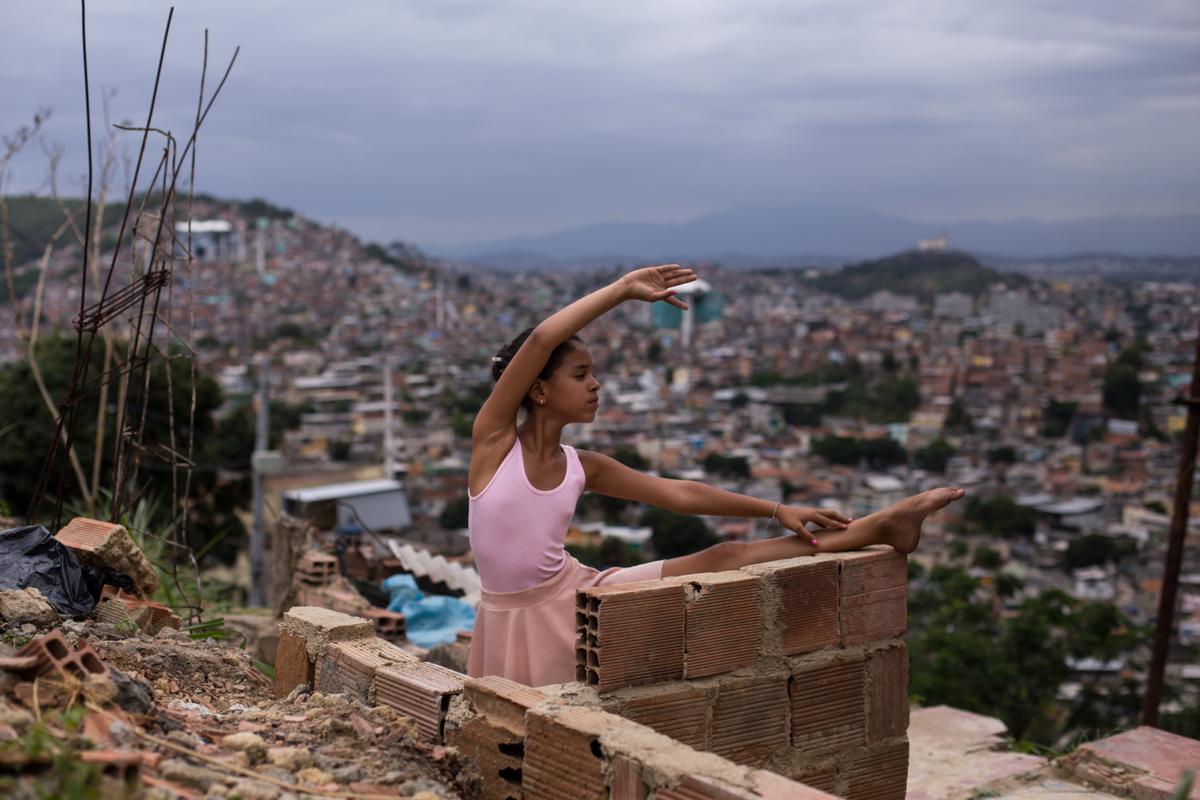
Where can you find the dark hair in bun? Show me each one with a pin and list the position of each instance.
(505, 354)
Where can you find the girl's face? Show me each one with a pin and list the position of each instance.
(572, 390)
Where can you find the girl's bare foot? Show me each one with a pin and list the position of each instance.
(901, 523)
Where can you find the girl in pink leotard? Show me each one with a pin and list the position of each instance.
(524, 484)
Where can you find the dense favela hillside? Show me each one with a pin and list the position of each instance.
(1049, 401)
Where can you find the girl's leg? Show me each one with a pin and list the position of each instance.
(898, 525)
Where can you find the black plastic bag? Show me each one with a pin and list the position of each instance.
(31, 557)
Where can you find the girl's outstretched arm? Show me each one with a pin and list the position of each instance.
(610, 477)
(499, 412)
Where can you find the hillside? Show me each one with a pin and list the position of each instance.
(916, 273)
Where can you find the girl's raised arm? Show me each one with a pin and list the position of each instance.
(498, 415)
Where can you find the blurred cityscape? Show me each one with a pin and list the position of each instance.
(1047, 395)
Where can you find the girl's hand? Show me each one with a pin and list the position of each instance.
(794, 518)
(656, 283)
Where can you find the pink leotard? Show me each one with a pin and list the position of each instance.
(517, 530)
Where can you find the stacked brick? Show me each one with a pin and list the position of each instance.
(795, 666)
(316, 568)
(335, 653)
(526, 744)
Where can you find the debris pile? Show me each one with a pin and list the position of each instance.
(124, 703)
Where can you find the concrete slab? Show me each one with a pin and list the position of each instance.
(1053, 789)
(953, 754)
(1146, 761)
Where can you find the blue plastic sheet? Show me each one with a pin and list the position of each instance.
(432, 620)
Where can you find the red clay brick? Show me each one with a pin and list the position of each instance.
(828, 706)
(722, 626)
(874, 568)
(389, 625)
(805, 605)
(496, 752)
(639, 634)
(878, 773)
(419, 690)
(870, 616)
(823, 778)
(358, 659)
(679, 711)
(626, 780)
(561, 759)
(696, 787)
(292, 665)
(504, 702)
(887, 699)
(772, 786)
(750, 718)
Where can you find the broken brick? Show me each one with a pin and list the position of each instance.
(630, 634)
(887, 699)
(496, 751)
(771, 786)
(319, 627)
(292, 664)
(107, 544)
(828, 706)
(750, 718)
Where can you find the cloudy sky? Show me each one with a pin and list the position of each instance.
(453, 121)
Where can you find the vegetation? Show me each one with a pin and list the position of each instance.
(727, 466)
(1094, 549)
(963, 654)
(1057, 418)
(915, 273)
(934, 456)
(611, 552)
(1122, 388)
(1000, 517)
(675, 535)
(848, 451)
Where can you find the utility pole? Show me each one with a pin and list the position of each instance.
(257, 595)
(389, 464)
(1179, 520)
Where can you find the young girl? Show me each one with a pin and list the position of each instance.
(523, 486)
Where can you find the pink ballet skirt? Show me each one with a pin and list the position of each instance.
(529, 636)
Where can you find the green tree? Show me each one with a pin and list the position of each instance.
(987, 558)
(999, 516)
(1095, 548)
(1057, 418)
(728, 466)
(454, 516)
(1004, 454)
(845, 450)
(630, 457)
(934, 456)
(675, 535)
(1122, 391)
(958, 421)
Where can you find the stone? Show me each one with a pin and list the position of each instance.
(27, 605)
(314, 776)
(107, 544)
(290, 758)
(250, 743)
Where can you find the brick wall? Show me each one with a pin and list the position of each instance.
(793, 666)
(755, 683)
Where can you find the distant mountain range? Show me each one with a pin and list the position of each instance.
(824, 234)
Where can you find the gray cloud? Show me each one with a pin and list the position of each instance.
(442, 121)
